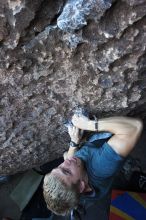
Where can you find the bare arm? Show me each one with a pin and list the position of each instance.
(126, 131)
(71, 152)
(75, 136)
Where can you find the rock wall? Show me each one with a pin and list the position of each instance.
(56, 55)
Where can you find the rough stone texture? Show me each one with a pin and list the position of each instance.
(56, 55)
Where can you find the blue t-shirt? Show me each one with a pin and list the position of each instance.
(101, 164)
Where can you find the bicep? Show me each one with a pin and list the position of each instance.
(123, 144)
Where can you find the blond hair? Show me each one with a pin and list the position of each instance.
(60, 198)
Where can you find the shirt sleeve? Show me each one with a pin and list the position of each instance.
(83, 153)
(105, 161)
(102, 162)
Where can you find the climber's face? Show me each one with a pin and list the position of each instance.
(71, 170)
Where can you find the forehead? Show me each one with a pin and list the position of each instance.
(58, 172)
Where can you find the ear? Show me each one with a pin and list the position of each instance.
(82, 186)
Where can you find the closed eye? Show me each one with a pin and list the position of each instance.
(66, 171)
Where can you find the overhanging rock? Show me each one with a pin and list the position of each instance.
(56, 55)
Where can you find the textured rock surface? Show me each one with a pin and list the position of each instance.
(56, 55)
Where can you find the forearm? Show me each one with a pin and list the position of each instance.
(75, 136)
(117, 125)
(70, 153)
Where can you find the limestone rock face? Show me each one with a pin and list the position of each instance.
(56, 55)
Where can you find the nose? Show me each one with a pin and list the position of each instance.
(67, 162)
(71, 160)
